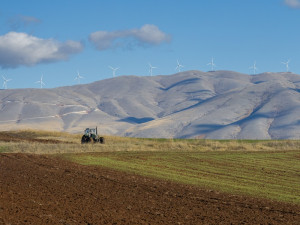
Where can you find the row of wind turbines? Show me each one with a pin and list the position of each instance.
(211, 64)
(254, 68)
(177, 68)
(5, 80)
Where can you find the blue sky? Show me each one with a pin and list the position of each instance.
(59, 38)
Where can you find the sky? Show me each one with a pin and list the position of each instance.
(57, 39)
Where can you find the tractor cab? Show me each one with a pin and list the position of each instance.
(87, 131)
(90, 131)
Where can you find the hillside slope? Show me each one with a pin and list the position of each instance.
(191, 104)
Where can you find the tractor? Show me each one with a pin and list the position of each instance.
(91, 134)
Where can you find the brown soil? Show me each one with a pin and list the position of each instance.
(41, 189)
(25, 136)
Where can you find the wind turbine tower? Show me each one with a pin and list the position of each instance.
(254, 67)
(287, 65)
(212, 64)
(5, 82)
(151, 68)
(178, 66)
(78, 77)
(41, 82)
(114, 70)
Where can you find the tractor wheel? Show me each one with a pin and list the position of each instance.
(102, 140)
(85, 139)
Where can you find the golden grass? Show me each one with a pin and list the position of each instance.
(113, 143)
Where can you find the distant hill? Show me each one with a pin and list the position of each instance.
(191, 104)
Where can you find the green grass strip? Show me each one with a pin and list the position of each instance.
(272, 175)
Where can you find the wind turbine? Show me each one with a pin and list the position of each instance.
(151, 68)
(212, 64)
(5, 82)
(178, 66)
(254, 67)
(41, 82)
(78, 77)
(114, 70)
(287, 65)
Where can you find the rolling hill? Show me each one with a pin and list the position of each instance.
(191, 104)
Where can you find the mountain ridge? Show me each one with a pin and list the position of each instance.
(190, 104)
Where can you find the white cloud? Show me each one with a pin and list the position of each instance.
(18, 49)
(147, 35)
(292, 3)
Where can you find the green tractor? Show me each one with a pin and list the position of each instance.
(91, 134)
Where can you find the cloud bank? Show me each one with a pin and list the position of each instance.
(146, 35)
(292, 3)
(21, 49)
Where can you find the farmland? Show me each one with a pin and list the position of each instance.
(158, 181)
(273, 175)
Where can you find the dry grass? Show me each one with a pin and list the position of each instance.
(117, 144)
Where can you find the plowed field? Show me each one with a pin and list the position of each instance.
(41, 189)
(25, 136)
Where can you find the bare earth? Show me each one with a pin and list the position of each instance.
(41, 189)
